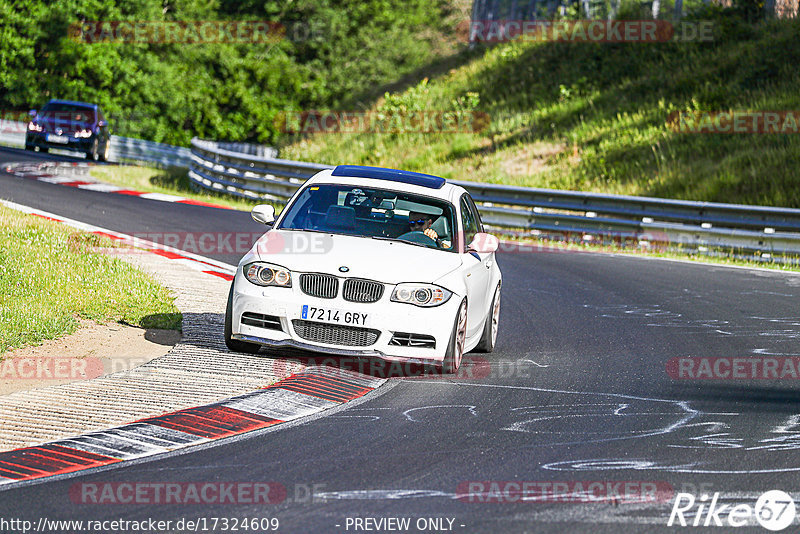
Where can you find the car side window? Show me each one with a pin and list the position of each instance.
(469, 220)
(475, 211)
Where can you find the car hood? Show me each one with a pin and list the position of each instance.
(390, 262)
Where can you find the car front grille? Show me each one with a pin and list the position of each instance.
(358, 290)
(335, 334)
(262, 321)
(405, 339)
(324, 286)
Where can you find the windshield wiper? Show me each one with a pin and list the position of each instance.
(307, 230)
(383, 238)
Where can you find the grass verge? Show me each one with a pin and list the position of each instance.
(49, 277)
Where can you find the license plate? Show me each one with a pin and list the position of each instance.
(332, 315)
(57, 139)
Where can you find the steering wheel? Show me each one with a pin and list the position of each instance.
(416, 236)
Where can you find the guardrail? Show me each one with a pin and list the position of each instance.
(759, 232)
(253, 171)
(245, 175)
(122, 149)
(130, 150)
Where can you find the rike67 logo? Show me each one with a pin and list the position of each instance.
(774, 510)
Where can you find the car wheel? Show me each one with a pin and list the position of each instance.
(486, 344)
(455, 349)
(104, 155)
(93, 153)
(234, 344)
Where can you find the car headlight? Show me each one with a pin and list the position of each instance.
(83, 133)
(33, 127)
(425, 295)
(265, 274)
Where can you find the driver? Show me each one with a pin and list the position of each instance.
(421, 222)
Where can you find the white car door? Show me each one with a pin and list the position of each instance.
(477, 269)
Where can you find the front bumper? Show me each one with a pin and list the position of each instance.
(39, 139)
(384, 316)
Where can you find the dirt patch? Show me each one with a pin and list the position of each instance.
(531, 159)
(93, 350)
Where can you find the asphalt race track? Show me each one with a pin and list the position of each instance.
(577, 392)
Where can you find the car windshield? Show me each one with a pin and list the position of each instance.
(374, 213)
(67, 112)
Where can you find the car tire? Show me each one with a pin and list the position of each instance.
(104, 153)
(489, 336)
(455, 348)
(93, 155)
(234, 344)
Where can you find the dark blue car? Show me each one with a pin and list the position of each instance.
(69, 125)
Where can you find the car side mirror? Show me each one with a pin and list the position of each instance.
(32, 113)
(484, 243)
(263, 213)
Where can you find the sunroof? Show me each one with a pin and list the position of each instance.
(394, 175)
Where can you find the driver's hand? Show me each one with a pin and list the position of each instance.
(430, 232)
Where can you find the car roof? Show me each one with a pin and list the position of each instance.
(392, 175)
(73, 102)
(407, 181)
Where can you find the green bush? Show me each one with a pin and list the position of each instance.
(333, 52)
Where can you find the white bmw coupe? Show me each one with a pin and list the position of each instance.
(370, 262)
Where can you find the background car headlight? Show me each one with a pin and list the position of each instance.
(426, 295)
(33, 127)
(265, 274)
